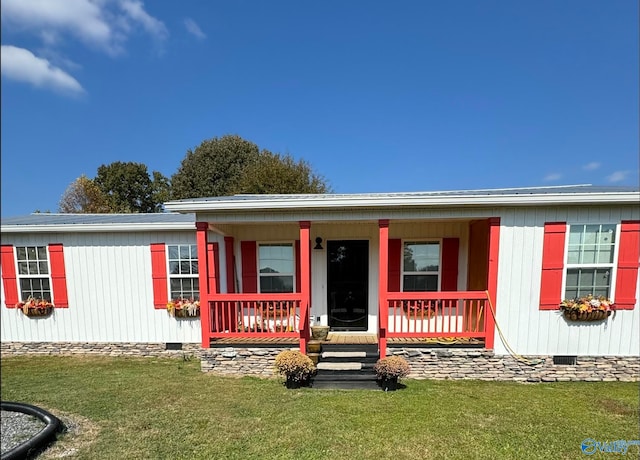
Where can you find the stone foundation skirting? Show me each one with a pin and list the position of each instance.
(232, 361)
(457, 364)
(101, 348)
(258, 362)
(426, 363)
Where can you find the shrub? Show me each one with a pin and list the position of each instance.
(294, 365)
(392, 367)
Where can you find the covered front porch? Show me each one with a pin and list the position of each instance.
(354, 278)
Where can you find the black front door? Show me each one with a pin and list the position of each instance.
(348, 284)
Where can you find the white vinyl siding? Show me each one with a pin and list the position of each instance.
(531, 331)
(110, 290)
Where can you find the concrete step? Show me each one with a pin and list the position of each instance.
(346, 366)
(371, 349)
(341, 366)
(369, 360)
(343, 375)
(344, 354)
(346, 385)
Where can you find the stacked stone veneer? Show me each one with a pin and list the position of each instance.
(259, 362)
(480, 364)
(234, 361)
(107, 349)
(426, 363)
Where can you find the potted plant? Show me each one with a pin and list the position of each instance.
(587, 308)
(184, 308)
(296, 367)
(319, 332)
(388, 370)
(35, 307)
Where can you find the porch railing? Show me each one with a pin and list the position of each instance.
(460, 314)
(258, 315)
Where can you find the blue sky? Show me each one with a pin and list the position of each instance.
(377, 96)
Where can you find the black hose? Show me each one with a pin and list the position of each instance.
(41, 439)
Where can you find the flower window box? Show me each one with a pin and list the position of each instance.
(587, 308)
(35, 308)
(184, 308)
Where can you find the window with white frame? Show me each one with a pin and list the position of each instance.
(420, 266)
(183, 271)
(276, 267)
(33, 272)
(590, 260)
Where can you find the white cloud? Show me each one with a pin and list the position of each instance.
(22, 65)
(552, 177)
(102, 24)
(135, 10)
(591, 166)
(618, 176)
(194, 29)
(81, 18)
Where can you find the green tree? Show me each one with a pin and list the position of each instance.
(129, 188)
(229, 165)
(160, 189)
(83, 196)
(214, 168)
(275, 173)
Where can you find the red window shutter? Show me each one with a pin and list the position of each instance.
(450, 250)
(9, 279)
(627, 273)
(230, 264)
(213, 256)
(159, 275)
(552, 265)
(58, 276)
(395, 261)
(249, 267)
(298, 270)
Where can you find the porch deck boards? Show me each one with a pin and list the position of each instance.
(359, 339)
(434, 342)
(255, 342)
(344, 339)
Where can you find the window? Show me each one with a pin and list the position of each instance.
(33, 272)
(276, 267)
(183, 271)
(590, 260)
(421, 266)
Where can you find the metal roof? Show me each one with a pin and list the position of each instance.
(99, 222)
(185, 217)
(569, 189)
(584, 194)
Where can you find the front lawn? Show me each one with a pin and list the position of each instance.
(129, 408)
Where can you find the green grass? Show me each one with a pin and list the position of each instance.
(167, 409)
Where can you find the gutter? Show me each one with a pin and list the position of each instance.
(105, 228)
(281, 203)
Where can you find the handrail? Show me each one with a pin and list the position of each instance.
(458, 314)
(253, 297)
(256, 315)
(438, 295)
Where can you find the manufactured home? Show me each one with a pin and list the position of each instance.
(465, 284)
